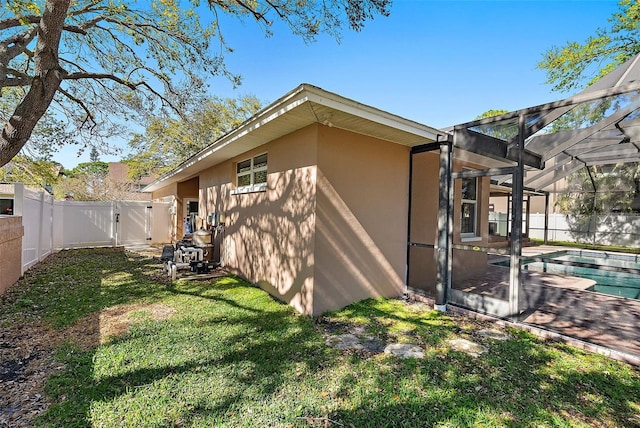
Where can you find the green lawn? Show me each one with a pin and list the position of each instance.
(224, 353)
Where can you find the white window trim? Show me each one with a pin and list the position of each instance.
(251, 188)
(261, 187)
(471, 236)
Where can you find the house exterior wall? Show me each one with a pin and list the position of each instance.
(361, 218)
(188, 189)
(424, 221)
(269, 236)
(424, 225)
(11, 232)
(331, 226)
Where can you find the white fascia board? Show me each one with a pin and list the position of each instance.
(300, 95)
(276, 109)
(334, 101)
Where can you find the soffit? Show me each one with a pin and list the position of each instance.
(302, 107)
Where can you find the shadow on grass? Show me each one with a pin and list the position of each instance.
(72, 284)
(219, 355)
(232, 356)
(517, 383)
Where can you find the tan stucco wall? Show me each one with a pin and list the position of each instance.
(11, 232)
(361, 228)
(424, 226)
(188, 189)
(170, 190)
(424, 221)
(269, 236)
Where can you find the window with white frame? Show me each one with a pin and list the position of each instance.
(469, 211)
(251, 174)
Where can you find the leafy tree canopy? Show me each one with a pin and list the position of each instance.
(577, 64)
(596, 189)
(602, 189)
(37, 173)
(97, 169)
(492, 113)
(168, 141)
(100, 62)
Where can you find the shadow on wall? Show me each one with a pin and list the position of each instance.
(300, 242)
(350, 265)
(269, 236)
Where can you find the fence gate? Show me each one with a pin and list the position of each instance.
(140, 222)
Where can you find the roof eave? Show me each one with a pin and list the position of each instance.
(304, 93)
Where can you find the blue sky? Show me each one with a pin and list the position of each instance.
(436, 62)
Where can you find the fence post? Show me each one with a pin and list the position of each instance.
(18, 210)
(40, 228)
(114, 223)
(18, 199)
(51, 223)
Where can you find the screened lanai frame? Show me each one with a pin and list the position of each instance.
(536, 146)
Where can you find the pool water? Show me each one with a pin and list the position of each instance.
(612, 282)
(605, 259)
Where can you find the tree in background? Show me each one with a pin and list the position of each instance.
(32, 172)
(90, 181)
(574, 66)
(168, 141)
(578, 64)
(94, 156)
(615, 189)
(98, 62)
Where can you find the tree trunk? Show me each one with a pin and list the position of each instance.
(46, 81)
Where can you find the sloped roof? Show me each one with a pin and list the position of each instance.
(301, 107)
(598, 126)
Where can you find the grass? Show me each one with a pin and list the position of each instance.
(590, 246)
(229, 355)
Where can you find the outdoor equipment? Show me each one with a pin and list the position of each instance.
(194, 252)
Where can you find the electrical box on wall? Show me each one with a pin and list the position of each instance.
(211, 218)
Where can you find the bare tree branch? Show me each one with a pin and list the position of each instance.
(15, 45)
(129, 84)
(19, 21)
(81, 104)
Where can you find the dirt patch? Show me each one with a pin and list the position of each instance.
(27, 355)
(98, 328)
(26, 361)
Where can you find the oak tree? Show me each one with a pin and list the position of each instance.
(100, 61)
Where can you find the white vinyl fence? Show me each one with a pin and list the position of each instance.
(51, 225)
(604, 229)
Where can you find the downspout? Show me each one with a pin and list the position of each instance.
(407, 265)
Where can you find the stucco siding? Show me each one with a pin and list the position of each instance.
(170, 190)
(361, 226)
(269, 235)
(11, 232)
(424, 221)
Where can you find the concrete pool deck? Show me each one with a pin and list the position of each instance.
(560, 304)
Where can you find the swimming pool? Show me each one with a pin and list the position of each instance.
(615, 274)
